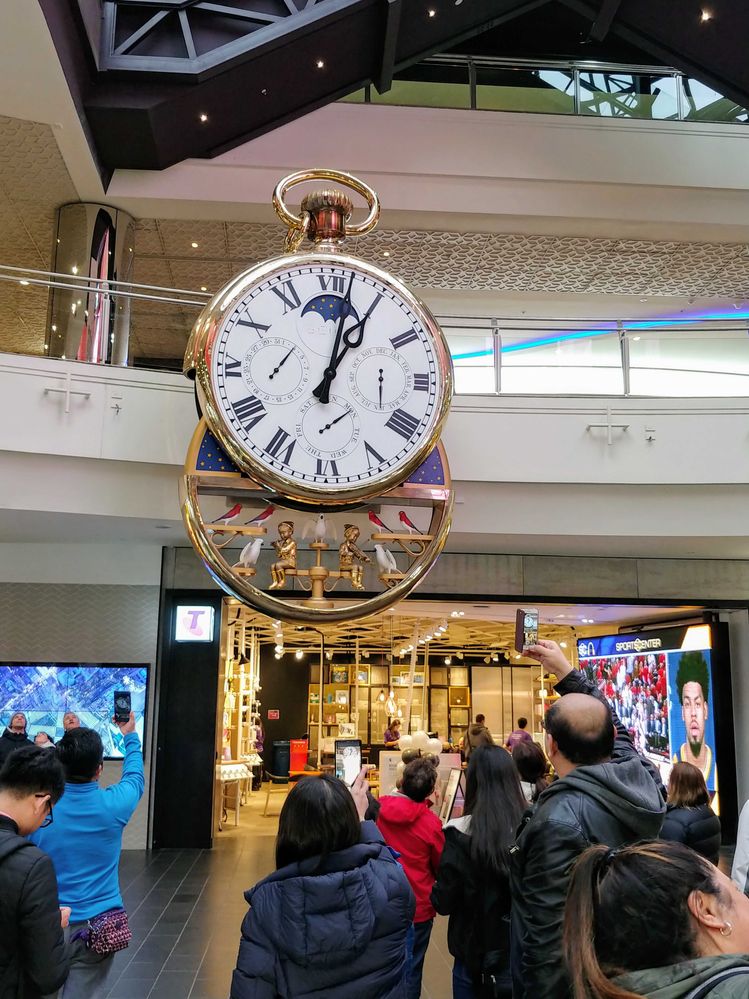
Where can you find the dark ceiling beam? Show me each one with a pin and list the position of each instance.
(389, 45)
(668, 55)
(602, 23)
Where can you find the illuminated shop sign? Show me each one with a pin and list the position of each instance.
(193, 623)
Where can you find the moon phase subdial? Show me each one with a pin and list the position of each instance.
(275, 370)
(380, 379)
(328, 431)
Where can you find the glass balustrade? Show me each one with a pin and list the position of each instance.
(689, 356)
(600, 90)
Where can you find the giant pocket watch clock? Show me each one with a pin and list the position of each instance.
(324, 385)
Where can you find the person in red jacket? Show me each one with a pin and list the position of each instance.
(415, 833)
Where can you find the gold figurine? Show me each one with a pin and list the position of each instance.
(286, 551)
(349, 554)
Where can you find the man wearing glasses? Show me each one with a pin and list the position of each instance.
(33, 956)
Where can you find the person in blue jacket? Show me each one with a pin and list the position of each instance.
(332, 920)
(85, 841)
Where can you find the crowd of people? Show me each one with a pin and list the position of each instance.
(596, 884)
(636, 687)
(572, 873)
(61, 913)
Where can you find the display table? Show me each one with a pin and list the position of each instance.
(235, 775)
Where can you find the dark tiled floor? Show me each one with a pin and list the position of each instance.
(186, 908)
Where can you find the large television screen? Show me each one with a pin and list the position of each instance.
(45, 691)
(661, 685)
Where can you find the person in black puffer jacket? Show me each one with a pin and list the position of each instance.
(33, 958)
(332, 920)
(689, 817)
(14, 736)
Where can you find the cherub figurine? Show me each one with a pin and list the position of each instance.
(349, 554)
(286, 551)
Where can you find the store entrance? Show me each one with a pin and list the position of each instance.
(286, 694)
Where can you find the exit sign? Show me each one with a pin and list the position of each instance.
(273, 714)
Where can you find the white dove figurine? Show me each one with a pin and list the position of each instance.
(250, 553)
(385, 559)
(321, 528)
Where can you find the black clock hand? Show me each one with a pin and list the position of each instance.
(352, 339)
(380, 380)
(322, 392)
(280, 365)
(333, 422)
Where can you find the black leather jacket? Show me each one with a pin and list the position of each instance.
(697, 827)
(614, 803)
(33, 957)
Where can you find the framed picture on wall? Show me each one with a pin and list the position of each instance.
(362, 674)
(339, 674)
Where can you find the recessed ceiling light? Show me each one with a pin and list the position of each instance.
(74, 269)
(203, 118)
(431, 12)
(386, 253)
(637, 338)
(705, 15)
(58, 239)
(643, 299)
(24, 282)
(562, 645)
(54, 328)
(194, 245)
(46, 346)
(203, 288)
(320, 64)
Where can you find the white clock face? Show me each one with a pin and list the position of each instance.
(327, 377)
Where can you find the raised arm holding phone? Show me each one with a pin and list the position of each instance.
(606, 794)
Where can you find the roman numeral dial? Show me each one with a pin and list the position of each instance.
(326, 380)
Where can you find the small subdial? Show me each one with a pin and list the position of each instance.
(380, 379)
(328, 431)
(276, 370)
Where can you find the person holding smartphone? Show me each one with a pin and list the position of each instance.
(332, 919)
(85, 842)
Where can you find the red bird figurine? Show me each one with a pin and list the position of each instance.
(230, 514)
(257, 521)
(410, 527)
(378, 523)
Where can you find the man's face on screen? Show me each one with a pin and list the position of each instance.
(694, 713)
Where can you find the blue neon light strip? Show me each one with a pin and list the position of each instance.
(644, 324)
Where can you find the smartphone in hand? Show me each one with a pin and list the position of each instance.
(526, 627)
(122, 706)
(347, 759)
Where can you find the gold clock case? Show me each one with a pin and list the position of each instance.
(199, 353)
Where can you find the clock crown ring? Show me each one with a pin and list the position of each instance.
(324, 214)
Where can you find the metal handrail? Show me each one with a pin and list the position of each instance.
(586, 65)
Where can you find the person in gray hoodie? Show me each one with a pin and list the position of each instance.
(606, 794)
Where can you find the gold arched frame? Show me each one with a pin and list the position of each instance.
(298, 608)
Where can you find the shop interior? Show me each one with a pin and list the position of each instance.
(292, 691)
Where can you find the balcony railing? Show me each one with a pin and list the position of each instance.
(603, 90)
(698, 355)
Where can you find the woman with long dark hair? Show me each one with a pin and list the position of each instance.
(332, 920)
(472, 884)
(689, 817)
(655, 921)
